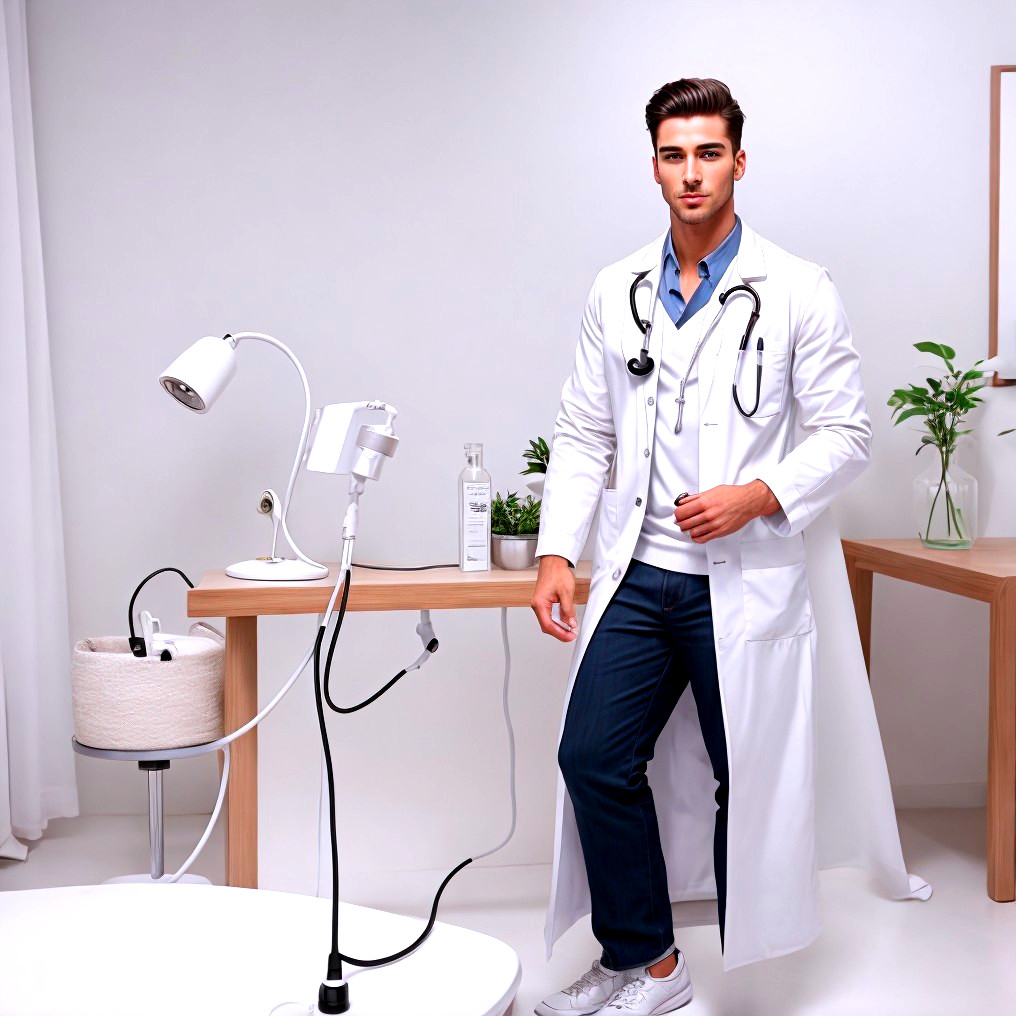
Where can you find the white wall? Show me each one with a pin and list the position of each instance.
(416, 197)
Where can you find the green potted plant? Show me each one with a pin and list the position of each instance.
(514, 527)
(945, 496)
(537, 456)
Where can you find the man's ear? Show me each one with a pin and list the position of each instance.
(740, 164)
(656, 171)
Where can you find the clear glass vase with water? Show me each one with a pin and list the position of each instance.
(945, 504)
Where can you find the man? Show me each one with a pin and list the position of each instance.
(699, 575)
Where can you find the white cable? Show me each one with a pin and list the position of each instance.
(237, 336)
(511, 734)
(239, 732)
(211, 822)
(222, 741)
(222, 744)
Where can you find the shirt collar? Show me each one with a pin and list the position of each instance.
(705, 266)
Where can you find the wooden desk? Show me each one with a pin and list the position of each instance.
(987, 571)
(242, 602)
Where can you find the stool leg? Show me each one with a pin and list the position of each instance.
(156, 836)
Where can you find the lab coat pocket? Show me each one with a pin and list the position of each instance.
(606, 529)
(775, 360)
(777, 602)
(610, 505)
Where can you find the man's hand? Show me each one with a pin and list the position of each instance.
(723, 510)
(555, 583)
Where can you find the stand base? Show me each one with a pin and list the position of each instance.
(148, 880)
(276, 569)
(236, 951)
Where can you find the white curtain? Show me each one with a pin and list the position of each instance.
(37, 767)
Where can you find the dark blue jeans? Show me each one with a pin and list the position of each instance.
(654, 638)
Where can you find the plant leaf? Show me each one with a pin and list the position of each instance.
(937, 348)
(916, 411)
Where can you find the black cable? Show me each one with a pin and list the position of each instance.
(413, 567)
(335, 637)
(138, 645)
(336, 957)
(328, 664)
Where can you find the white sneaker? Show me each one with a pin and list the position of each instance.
(588, 994)
(645, 995)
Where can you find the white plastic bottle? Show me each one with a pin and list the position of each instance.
(474, 512)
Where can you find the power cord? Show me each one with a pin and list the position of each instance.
(333, 995)
(411, 567)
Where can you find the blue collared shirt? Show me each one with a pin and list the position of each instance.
(710, 269)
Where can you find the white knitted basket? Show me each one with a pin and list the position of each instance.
(132, 704)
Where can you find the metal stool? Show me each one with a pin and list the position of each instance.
(155, 763)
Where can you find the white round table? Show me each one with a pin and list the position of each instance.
(108, 950)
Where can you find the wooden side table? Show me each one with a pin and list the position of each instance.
(987, 571)
(242, 602)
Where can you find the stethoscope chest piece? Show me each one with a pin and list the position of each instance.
(644, 365)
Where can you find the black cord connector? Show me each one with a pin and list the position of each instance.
(333, 998)
(136, 642)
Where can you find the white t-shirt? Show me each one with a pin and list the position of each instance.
(675, 465)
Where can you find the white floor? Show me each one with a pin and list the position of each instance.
(955, 954)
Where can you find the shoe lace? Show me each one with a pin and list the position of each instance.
(592, 977)
(628, 995)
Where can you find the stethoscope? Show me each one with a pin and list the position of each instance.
(645, 364)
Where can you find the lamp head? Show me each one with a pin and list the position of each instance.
(198, 375)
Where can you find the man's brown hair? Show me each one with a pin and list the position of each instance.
(695, 97)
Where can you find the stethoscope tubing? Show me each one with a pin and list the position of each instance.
(644, 365)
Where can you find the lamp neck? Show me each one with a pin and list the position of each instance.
(235, 339)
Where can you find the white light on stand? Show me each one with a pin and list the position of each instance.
(196, 379)
(344, 441)
(1004, 363)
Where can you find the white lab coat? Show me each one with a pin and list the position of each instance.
(809, 787)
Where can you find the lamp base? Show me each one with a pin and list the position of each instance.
(147, 879)
(276, 569)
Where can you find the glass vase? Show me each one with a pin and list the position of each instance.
(945, 504)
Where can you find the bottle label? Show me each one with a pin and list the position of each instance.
(475, 526)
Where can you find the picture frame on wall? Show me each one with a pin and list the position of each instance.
(1002, 212)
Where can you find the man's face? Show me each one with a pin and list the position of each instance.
(695, 166)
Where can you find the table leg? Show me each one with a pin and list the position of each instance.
(1002, 746)
(240, 699)
(860, 590)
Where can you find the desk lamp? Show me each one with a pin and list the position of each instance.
(196, 378)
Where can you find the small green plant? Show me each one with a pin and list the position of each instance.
(538, 455)
(942, 406)
(512, 517)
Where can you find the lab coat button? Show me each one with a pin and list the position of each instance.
(646, 453)
(617, 573)
(638, 502)
(652, 401)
